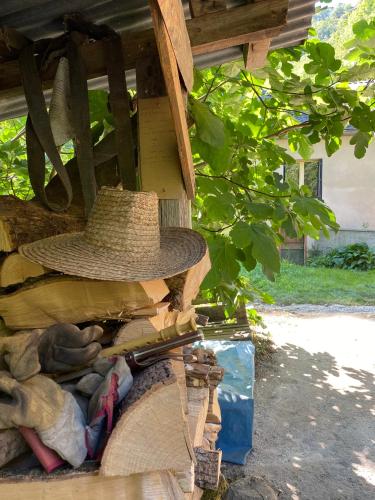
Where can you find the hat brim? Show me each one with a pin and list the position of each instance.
(180, 249)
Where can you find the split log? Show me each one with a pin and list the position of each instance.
(207, 470)
(12, 445)
(137, 328)
(151, 432)
(16, 268)
(198, 407)
(151, 310)
(91, 486)
(185, 286)
(179, 370)
(186, 479)
(25, 221)
(211, 434)
(214, 412)
(67, 299)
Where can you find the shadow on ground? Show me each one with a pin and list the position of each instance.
(314, 435)
(314, 427)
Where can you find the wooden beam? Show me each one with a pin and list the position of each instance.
(207, 33)
(201, 7)
(255, 54)
(176, 99)
(174, 19)
(227, 28)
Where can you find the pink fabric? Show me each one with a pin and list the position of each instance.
(47, 457)
(108, 402)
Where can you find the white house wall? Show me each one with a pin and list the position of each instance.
(348, 188)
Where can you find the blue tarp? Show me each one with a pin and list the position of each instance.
(235, 397)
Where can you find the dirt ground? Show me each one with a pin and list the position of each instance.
(314, 435)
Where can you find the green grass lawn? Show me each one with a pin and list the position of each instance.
(313, 285)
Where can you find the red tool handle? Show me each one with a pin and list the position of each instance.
(49, 459)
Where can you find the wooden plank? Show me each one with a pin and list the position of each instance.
(255, 54)
(159, 162)
(268, 17)
(174, 19)
(201, 7)
(91, 486)
(176, 99)
(214, 31)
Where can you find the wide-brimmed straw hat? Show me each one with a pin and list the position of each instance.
(121, 242)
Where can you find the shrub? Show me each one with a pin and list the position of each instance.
(358, 257)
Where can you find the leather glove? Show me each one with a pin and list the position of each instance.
(63, 347)
(40, 404)
(19, 354)
(106, 391)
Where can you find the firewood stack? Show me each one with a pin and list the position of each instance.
(168, 423)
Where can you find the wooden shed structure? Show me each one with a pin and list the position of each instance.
(156, 43)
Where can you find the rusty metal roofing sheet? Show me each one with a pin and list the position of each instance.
(44, 18)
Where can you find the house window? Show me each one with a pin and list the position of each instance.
(308, 173)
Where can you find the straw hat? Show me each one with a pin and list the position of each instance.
(121, 242)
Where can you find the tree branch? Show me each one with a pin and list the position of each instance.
(242, 186)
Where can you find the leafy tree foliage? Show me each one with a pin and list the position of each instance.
(326, 20)
(244, 207)
(343, 31)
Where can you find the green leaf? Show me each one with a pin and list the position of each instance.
(225, 267)
(210, 128)
(241, 234)
(361, 141)
(98, 104)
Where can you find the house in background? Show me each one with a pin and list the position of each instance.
(347, 185)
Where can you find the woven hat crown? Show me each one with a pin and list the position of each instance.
(125, 222)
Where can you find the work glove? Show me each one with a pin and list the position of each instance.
(64, 347)
(40, 404)
(106, 387)
(19, 354)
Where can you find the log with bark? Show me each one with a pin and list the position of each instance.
(151, 432)
(207, 470)
(25, 221)
(67, 299)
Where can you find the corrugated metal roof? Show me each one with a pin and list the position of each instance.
(44, 18)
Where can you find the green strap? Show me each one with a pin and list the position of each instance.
(119, 103)
(81, 124)
(39, 138)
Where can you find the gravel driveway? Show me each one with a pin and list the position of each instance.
(315, 406)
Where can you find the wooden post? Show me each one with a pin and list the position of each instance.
(255, 52)
(159, 163)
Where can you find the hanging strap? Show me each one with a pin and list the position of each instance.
(81, 123)
(119, 103)
(39, 138)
